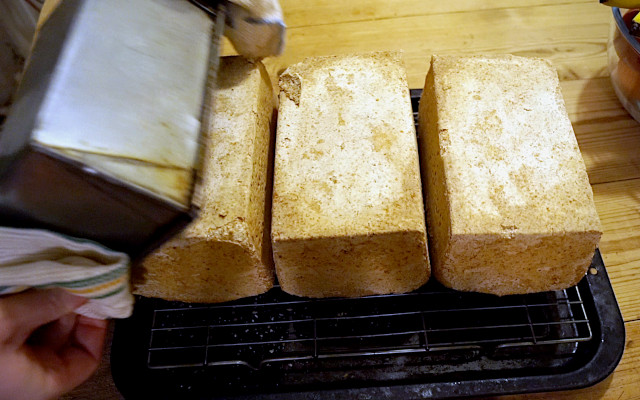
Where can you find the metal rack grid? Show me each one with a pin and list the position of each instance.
(279, 328)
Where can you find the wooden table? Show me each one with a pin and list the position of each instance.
(573, 35)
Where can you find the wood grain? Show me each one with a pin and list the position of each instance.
(618, 204)
(607, 136)
(324, 12)
(577, 50)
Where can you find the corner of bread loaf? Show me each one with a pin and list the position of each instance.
(195, 269)
(293, 78)
(267, 84)
(352, 266)
(391, 55)
(291, 85)
(238, 73)
(521, 264)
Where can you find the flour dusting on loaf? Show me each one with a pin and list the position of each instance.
(348, 217)
(225, 254)
(509, 205)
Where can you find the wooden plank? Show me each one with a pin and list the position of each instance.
(577, 49)
(609, 139)
(618, 204)
(321, 12)
(316, 12)
(622, 384)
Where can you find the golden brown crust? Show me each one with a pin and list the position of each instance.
(509, 204)
(225, 254)
(352, 266)
(347, 171)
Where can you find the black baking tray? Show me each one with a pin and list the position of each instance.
(431, 343)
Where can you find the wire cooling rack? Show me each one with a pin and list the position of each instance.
(278, 328)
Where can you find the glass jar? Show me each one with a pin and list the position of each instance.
(623, 51)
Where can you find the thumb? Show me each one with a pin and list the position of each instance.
(22, 313)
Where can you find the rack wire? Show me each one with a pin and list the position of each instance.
(279, 328)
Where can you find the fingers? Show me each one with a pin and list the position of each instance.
(54, 349)
(83, 356)
(55, 334)
(89, 335)
(23, 313)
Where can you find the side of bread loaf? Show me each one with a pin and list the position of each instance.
(348, 217)
(509, 206)
(225, 254)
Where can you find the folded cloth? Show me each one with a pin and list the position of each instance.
(33, 258)
(255, 27)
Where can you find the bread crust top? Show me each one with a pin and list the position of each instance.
(511, 159)
(346, 150)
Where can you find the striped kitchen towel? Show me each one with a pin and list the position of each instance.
(33, 258)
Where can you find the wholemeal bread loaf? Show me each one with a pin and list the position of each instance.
(225, 254)
(348, 218)
(509, 205)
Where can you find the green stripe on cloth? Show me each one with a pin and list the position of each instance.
(93, 281)
(111, 293)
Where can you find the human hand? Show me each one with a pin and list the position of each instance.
(45, 348)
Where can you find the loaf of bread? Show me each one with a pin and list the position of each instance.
(225, 254)
(509, 205)
(348, 217)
